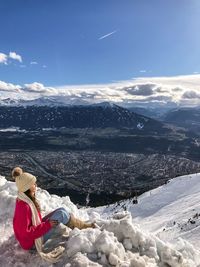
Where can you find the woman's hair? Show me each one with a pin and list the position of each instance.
(33, 198)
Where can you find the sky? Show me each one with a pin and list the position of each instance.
(79, 43)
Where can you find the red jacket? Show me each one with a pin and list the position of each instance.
(24, 230)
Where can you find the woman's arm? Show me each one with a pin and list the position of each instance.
(25, 227)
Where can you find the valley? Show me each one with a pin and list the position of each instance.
(97, 178)
(95, 154)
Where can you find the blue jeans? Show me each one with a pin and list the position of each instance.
(61, 215)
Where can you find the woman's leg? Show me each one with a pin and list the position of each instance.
(75, 222)
(61, 215)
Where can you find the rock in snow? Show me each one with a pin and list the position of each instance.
(118, 242)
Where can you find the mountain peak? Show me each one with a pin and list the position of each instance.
(105, 104)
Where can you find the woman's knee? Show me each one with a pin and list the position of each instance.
(64, 214)
(61, 209)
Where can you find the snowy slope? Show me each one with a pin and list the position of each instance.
(170, 211)
(120, 242)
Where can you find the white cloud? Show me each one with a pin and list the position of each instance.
(143, 71)
(182, 81)
(163, 90)
(3, 58)
(106, 35)
(39, 88)
(33, 63)
(12, 55)
(15, 56)
(180, 90)
(9, 87)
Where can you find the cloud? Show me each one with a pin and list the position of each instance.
(9, 87)
(177, 89)
(148, 91)
(181, 81)
(12, 55)
(143, 71)
(141, 89)
(39, 88)
(15, 56)
(107, 35)
(191, 95)
(159, 89)
(3, 58)
(33, 63)
(161, 98)
(151, 90)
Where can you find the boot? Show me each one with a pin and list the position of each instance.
(75, 222)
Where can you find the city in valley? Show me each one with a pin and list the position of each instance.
(97, 178)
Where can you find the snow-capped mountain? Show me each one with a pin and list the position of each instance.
(125, 239)
(95, 116)
(9, 102)
(54, 101)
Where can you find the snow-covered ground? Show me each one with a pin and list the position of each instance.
(159, 231)
(170, 211)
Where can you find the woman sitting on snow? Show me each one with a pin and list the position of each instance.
(29, 227)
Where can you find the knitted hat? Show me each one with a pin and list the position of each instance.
(17, 171)
(25, 181)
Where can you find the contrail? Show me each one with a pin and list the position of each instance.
(105, 36)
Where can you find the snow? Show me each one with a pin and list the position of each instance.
(32, 100)
(140, 125)
(169, 211)
(120, 240)
(12, 129)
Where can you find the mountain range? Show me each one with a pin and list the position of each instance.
(42, 101)
(189, 118)
(89, 116)
(102, 127)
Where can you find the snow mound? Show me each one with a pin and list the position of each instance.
(118, 242)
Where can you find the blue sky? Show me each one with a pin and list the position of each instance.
(67, 42)
(130, 52)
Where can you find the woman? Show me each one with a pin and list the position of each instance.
(29, 226)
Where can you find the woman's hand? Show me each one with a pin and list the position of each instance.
(54, 223)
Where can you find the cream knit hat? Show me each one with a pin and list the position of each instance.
(17, 171)
(25, 181)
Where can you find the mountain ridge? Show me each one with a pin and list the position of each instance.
(95, 116)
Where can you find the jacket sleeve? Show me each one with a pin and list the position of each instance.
(26, 227)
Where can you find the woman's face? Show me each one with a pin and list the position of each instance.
(33, 189)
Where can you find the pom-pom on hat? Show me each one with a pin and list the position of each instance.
(17, 171)
(25, 181)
